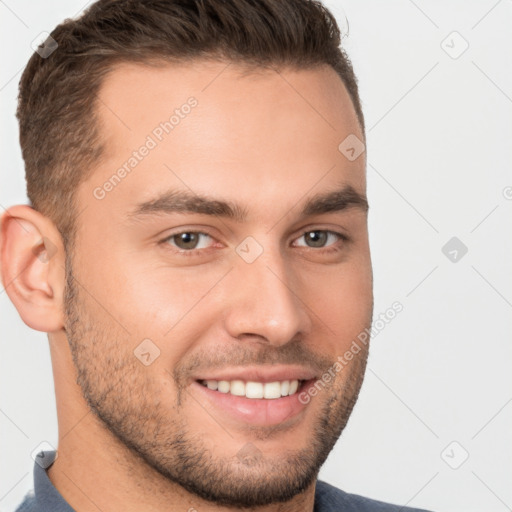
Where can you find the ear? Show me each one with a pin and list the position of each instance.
(32, 262)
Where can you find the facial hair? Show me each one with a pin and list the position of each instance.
(129, 402)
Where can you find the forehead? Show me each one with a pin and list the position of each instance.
(216, 127)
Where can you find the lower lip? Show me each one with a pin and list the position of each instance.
(259, 412)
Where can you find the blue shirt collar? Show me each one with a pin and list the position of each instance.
(46, 495)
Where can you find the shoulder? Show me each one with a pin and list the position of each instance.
(327, 499)
(331, 499)
(28, 504)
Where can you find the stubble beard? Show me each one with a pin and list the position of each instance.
(125, 400)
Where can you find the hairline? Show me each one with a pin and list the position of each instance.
(111, 64)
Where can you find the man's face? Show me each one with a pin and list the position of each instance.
(257, 292)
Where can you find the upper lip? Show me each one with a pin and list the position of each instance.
(259, 373)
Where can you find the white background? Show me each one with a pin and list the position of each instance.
(439, 159)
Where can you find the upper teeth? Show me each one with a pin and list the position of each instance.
(254, 389)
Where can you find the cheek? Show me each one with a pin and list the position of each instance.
(172, 307)
(343, 300)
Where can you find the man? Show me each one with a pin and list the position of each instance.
(197, 250)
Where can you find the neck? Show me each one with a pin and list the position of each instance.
(103, 476)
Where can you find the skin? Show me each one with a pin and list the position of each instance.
(252, 140)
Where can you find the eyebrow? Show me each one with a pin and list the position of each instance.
(181, 201)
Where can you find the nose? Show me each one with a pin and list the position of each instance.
(266, 303)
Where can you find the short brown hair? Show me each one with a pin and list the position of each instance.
(57, 95)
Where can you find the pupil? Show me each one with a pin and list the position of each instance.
(316, 238)
(187, 240)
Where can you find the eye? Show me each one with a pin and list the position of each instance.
(320, 238)
(189, 240)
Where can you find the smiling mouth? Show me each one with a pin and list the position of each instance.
(255, 390)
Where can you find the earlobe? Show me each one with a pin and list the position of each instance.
(32, 267)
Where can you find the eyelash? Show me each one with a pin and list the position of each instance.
(194, 252)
